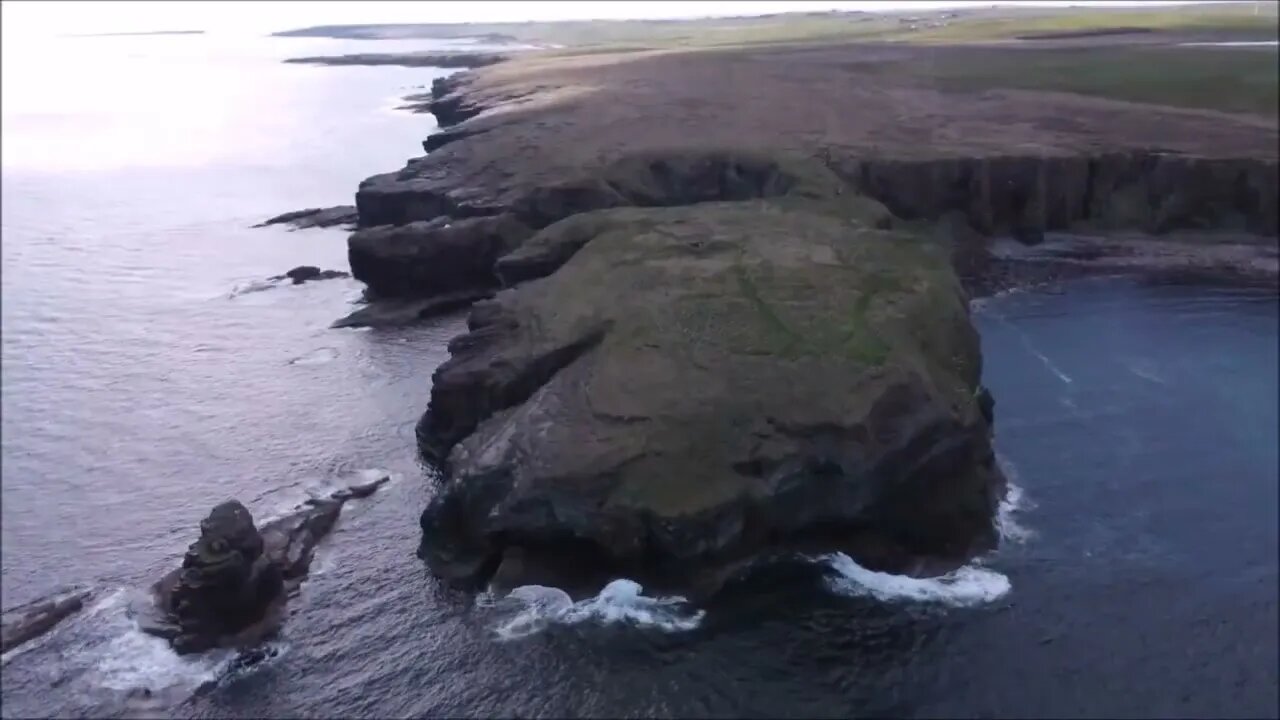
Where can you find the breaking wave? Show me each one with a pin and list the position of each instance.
(128, 660)
(319, 356)
(108, 651)
(530, 609)
(1014, 502)
(965, 586)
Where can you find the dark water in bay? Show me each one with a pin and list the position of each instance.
(1138, 576)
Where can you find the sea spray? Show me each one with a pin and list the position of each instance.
(1015, 501)
(530, 609)
(123, 658)
(965, 586)
(283, 501)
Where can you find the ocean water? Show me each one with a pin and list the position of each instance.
(1138, 572)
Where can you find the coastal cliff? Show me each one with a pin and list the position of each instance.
(803, 263)
(1024, 196)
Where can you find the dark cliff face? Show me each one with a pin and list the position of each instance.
(421, 259)
(1019, 195)
(1147, 191)
(449, 101)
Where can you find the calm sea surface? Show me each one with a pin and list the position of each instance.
(141, 386)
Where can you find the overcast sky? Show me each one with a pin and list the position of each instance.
(36, 18)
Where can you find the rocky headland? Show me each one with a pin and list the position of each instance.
(727, 309)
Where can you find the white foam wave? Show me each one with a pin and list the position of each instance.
(533, 608)
(319, 356)
(1014, 502)
(369, 475)
(252, 286)
(622, 601)
(27, 647)
(130, 659)
(134, 660)
(1006, 516)
(284, 501)
(968, 585)
(288, 501)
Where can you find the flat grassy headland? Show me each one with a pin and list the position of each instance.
(1145, 55)
(1230, 21)
(1229, 79)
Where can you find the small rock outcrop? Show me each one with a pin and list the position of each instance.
(344, 215)
(236, 578)
(449, 101)
(304, 273)
(227, 583)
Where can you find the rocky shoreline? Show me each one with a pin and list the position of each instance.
(574, 445)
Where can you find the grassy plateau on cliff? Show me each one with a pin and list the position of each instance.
(724, 322)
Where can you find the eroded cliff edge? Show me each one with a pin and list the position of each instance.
(695, 386)
(724, 325)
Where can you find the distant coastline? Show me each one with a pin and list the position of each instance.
(401, 31)
(135, 34)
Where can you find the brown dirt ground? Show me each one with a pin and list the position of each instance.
(551, 116)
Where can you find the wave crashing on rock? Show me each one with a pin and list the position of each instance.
(530, 609)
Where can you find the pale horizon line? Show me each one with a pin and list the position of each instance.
(23, 21)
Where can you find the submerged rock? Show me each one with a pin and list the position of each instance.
(27, 622)
(393, 313)
(697, 386)
(315, 217)
(304, 273)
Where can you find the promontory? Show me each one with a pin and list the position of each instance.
(723, 287)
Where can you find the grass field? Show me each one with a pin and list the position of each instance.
(1242, 20)
(1237, 21)
(1232, 80)
(1146, 66)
